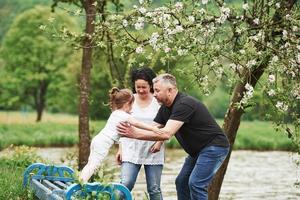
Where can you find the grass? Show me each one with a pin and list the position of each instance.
(62, 130)
(259, 135)
(12, 169)
(11, 181)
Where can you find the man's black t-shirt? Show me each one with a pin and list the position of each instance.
(199, 129)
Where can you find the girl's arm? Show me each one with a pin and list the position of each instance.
(144, 126)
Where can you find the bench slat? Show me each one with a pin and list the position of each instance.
(61, 184)
(42, 192)
(50, 185)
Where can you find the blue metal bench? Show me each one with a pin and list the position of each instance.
(57, 182)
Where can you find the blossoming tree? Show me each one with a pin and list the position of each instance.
(251, 45)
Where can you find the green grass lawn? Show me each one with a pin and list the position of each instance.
(259, 135)
(62, 130)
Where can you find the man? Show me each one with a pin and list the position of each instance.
(196, 131)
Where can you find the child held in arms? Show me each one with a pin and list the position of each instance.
(120, 103)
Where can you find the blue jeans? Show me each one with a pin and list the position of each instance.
(129, 173)
(197, 172)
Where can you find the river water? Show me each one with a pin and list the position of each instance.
(251, 175)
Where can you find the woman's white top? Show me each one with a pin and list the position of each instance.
(138, 151)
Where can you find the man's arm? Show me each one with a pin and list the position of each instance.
(171, 127)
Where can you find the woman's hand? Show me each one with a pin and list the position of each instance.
(156, 147)
(119, 156)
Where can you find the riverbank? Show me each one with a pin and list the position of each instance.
(251, 175)
(254, 135)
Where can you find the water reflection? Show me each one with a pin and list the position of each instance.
(251, 175)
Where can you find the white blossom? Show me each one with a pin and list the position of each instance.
(242, 51)
(233, 66)
(179, 6)
(271, 78)
(274, 59)
(142, 10)
(224, 15)
(150, 14)
(141, 1)
(256, 21)
(153, 40)
(204, 2)
(191, 19)
(245, 6)
(277, 5)
(251, 63)
(296, 92)
(125, 23)
(182, 52)
(284, 34)
(178, 29)
(281, 106)
(219, 72)
(139, 25)
(271, 93)
(248, 87)
(139, 49)
(167, 49)
(287, 44)
(248, 94)
(298, 58)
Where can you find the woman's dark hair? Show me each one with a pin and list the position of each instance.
(145, 73)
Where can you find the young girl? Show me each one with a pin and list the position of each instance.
(120, 104)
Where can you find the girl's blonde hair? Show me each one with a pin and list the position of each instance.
(119, 97)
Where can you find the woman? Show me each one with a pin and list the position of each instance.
(134, 153)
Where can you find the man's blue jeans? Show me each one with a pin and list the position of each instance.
(197, 172)
(129, 173)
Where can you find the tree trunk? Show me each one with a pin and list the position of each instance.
(84, 136)
(232, 122)
(40, 100)
(233, 116)
(230, 127)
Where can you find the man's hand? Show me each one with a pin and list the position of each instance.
(156, 147)
(125, 130)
